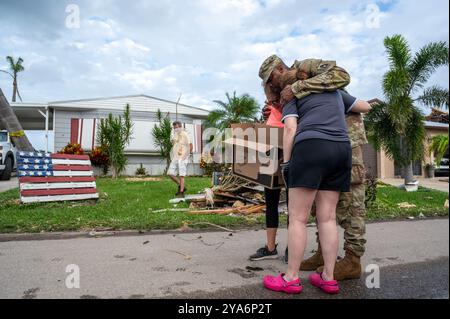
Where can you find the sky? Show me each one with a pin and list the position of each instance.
(201, 48)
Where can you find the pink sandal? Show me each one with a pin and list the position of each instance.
(280, 285)
(330, 287)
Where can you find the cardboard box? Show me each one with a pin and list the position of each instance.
(257, 153)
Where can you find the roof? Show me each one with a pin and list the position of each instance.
(140, 102)
(374, 101)
(438, 116)
(436, 125)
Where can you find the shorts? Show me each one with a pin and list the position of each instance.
(178, 168)
(321, 164)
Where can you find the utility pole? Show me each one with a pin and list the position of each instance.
(176, 107)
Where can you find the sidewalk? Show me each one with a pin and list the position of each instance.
(7, 185)
(165, 265)
(433, 183)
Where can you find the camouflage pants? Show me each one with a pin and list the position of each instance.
(351, 210)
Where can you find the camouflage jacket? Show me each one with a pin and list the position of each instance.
(356, 130)
(319, 75)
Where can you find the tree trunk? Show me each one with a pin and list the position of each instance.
(14, 89)
(12, 125)
(408, 173)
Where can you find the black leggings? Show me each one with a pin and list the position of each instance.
(272, 201)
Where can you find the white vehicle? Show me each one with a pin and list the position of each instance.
(7, 156)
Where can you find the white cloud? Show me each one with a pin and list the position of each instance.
(203, 48)
(125, 47)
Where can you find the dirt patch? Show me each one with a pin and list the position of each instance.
(243, 273)
(30, 293)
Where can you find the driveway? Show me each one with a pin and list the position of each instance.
(436, 183)
(7, 185)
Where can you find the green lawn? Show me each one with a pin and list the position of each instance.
(130, 205)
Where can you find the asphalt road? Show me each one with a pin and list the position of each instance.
(412, 257)
(424, 280)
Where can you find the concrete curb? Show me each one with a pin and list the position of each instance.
(132, 233)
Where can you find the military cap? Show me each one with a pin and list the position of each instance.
(267, 67)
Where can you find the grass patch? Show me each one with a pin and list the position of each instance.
(129, 205)
(122, 205)
(427, 202)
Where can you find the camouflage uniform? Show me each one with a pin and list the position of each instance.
(351, 210)
(319, 75)
(314, 75)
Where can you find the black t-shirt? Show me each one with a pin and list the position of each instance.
(321, 116)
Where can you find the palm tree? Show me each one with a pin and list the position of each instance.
(397, 124)
(438, 147)
(12, 125)
(162, 133)
(15, 67)
(237, 109)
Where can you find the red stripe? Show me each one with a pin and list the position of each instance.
(72, 168)
(65, 191)
(93, 135)
(74, 130)
(70, 156)
(81, 133)
(61, 179)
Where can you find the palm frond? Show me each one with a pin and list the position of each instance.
(399, 53)
(237, 109)
(434, 96)
(426, 61)
(438, 147)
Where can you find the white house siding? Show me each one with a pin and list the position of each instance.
(139, 152)
(62, 128)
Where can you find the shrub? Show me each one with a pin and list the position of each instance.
(141, 171)
(114, 134)
(73, 149)
(99, 157)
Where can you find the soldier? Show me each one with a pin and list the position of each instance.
(303, 78)
(316, 76)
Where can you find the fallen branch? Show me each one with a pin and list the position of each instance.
(214, 225)
(187, 257)
(222, 211)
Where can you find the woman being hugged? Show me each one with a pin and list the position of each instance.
(317, 167)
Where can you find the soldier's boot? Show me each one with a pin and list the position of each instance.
(313, 262)
(347, 268)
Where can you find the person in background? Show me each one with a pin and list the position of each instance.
(304, 77)
(181, 150)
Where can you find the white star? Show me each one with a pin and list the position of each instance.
(49, 173)
(25, 166)
(22, 153)
(36, 161)
(39, 173)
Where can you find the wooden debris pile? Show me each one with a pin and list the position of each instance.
(233, 195)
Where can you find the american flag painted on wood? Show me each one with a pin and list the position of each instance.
(45, 177)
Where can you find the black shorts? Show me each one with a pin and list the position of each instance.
(321, 164)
